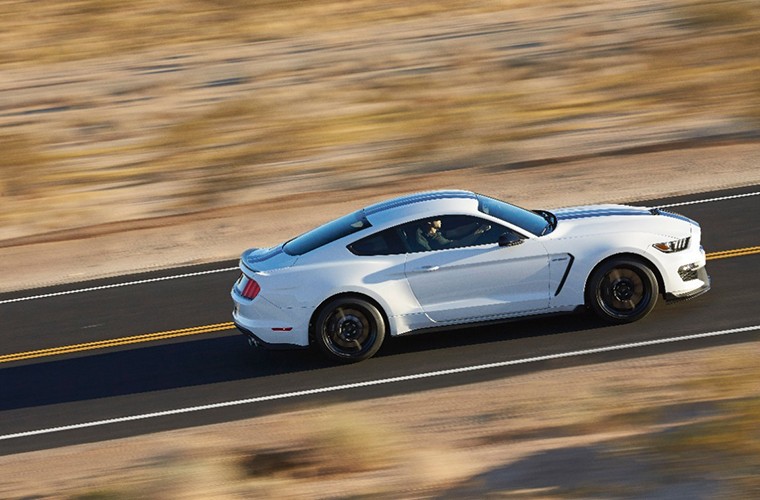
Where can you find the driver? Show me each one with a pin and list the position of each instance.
(430, 237)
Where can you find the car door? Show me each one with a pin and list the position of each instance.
(474, 278)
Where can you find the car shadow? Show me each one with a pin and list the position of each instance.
(199, 362)
(140, 370)
(434, 339)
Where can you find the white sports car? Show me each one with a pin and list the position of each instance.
(442, 258)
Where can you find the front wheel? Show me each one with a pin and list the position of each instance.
(349, 329)
(622, 290)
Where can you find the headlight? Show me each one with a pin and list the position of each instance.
(673, 246)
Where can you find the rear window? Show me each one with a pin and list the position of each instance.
(332, 231)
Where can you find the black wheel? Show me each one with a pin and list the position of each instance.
(349, 329)
(622, 290)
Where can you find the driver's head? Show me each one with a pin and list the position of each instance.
(435, 223)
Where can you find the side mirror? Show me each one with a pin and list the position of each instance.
(509, 240)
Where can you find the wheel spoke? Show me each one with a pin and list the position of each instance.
(350, 331)
(622, 291)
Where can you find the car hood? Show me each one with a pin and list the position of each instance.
(267, 259)
(599, 219)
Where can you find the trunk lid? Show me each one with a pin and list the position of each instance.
(259, 260)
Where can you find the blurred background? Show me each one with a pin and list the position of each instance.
(116, 111)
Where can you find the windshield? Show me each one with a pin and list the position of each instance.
(530, 221)
(327, 233)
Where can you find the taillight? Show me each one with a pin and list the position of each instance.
(251, 289)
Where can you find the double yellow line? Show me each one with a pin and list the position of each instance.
(102, 344)
(218, 327)
(739, 252)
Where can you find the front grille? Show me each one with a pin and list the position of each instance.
(689, 275)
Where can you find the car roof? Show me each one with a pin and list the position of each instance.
(420, 205)
(411, 199)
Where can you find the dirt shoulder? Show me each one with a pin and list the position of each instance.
(137, 246)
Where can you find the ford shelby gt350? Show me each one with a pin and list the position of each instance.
(444, 258)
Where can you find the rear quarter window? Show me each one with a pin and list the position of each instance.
(383, 243)
(327, 233)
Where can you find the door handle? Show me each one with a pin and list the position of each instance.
(430, 268)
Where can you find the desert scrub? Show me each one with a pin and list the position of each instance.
(701, 65)
(725, 447)
(709, 14)
(23, 166)
(721, 438)
(161, 108)
(349, 441)
(55, 32)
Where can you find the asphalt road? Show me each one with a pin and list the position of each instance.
(175, 378)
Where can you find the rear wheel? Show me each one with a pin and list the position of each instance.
(622, 290)
(349, 329)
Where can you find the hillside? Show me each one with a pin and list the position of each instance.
(113, 111)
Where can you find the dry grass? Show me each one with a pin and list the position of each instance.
(53, 32)
(727, 443)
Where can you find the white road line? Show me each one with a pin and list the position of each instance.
(116, 285)
(709, 200)
(187, 275)
(369, 383)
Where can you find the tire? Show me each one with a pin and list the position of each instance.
(349, 329)
(622, 290)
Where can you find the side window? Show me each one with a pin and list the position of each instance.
(383, 243)
(450, 231)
